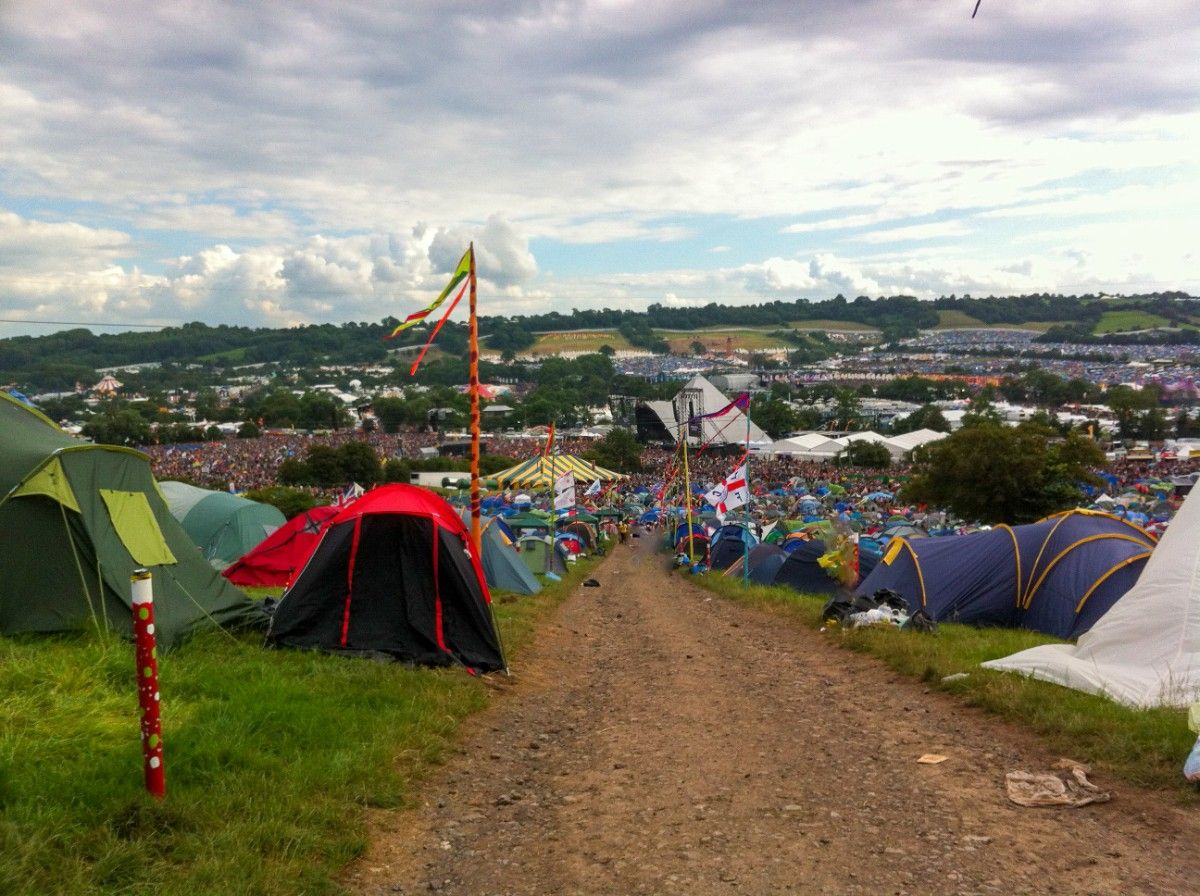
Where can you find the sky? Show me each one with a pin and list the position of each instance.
(280, 163)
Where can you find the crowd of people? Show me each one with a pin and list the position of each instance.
(244, 464)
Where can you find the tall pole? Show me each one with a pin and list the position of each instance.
(746, 541)
(687, 492)
(473, 388)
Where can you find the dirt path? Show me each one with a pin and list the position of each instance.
(661, 740)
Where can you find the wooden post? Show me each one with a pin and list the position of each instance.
(147, 676)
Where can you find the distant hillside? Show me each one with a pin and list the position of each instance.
(57, 361)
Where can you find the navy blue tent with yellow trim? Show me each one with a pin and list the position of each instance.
(1057, 576)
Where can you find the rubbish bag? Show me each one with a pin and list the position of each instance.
(1191, 766)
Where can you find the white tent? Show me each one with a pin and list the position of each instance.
(809, 445)
(1145, 651)
(910, 440)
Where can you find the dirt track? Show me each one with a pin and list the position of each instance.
(661, 740)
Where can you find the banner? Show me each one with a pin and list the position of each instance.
(593, 489)
(564, 491)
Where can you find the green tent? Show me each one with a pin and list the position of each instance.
(523, 521)
(76, 519)
(223, 526)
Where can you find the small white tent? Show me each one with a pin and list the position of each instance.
(1145, 651)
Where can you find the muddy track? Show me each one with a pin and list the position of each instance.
(657, 739)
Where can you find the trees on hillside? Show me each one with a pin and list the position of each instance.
(1001, 474)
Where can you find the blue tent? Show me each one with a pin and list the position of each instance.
(1057, 576)
(798, 570)
(729, 543)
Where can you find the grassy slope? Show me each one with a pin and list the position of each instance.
(1145, 747)
(271, 756)
(1121, 321)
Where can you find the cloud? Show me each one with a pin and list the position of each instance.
(289, 149)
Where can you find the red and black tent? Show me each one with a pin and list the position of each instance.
(277, 560)
(393, 574)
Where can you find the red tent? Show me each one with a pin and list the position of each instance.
(394, 574)
(276, 561)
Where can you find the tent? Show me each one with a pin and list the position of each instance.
(797, 569)
(765, 560)
(728, 544)
(802, 572)
(541, 471)
(394, 574)
(502, 566)
(275, 562)
(76, 519)
(222, 525)
(539, 555)
(1145, 651)
(1057, 576)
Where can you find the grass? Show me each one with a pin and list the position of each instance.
(271, 758)
(833, 326)
(1143, 747)
(1122, 321)
(719, 339)
(578, 341)
(950, 319)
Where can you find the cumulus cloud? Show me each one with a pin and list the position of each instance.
(284, 150)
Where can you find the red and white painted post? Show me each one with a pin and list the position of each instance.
(147, 673)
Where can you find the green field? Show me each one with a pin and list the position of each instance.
(576, 341)
(1144, 747)
(272, 758)
(718, 340)
(833, 326)
(951, 320)
(1123, 321)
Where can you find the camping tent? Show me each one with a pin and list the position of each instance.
(76, 519)
(1057, 576)
(1145, 651)
(801, 570)
(222, 525)
(275, 562)
(541, 471)
(729, 543)
(394, 574)
(539, 554)
(502, 566)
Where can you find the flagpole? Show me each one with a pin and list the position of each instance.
(746, 541)
(687, 491)
(473, 389)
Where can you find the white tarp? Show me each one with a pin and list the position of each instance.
(1145, 651)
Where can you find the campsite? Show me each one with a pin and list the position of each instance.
(599, 449)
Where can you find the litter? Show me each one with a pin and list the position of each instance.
(1034, 790)
(932, 759)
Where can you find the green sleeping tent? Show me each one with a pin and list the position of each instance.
(76, 519)
(225, 527)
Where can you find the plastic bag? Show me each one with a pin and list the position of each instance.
(1191, 765)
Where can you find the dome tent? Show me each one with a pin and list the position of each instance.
(394, 574)
(224, 526)
(76, 519)
(275, 561)
(1058, 575)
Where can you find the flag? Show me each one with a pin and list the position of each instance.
(741, 403)
(737, 488)
(564, 491)
(715, 497)
(459, 279)
(549, 441)
(593, 489)
(351, 493)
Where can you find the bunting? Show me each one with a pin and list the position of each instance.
(458, 283)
